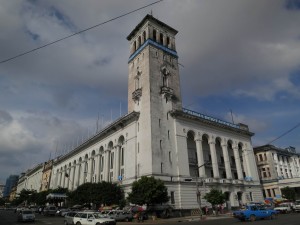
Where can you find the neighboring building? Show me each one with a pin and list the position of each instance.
(160, 138)
(31, 179)
(1, 190)
(11, 181)
(13, 193)
(278, 168)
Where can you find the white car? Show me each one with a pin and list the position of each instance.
(284, 208)
(297, 206)
(92, 218)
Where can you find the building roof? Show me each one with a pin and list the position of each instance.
(152, 19)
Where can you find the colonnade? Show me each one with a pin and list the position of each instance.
(229, 150)
(106, 165)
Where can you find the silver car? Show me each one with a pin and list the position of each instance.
(26, 215)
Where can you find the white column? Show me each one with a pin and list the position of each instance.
(71, 178)
(89, 172)
(200, 158)
(106, 164)
(97, 168)
(246, 156)
(214, 159)
(226, 161)
(117, 164)
(238, 162)
(60, 179)
(80, 173)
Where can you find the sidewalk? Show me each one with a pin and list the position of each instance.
(180, 219)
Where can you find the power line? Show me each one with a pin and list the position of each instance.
(285, 133)
(79, 32)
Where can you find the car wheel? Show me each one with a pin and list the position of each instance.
(97, 223)
(272, 217)
(126, 219)
(252, 218)
(66, 223)
(78, 223)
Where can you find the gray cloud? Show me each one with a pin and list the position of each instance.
(245, 51)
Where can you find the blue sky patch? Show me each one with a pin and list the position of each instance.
(292, 4)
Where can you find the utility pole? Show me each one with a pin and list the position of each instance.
(198, 193)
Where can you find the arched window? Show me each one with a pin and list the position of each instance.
(192, 154)
(144, 36)
(154, 35)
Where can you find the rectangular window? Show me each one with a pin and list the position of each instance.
(172, 197)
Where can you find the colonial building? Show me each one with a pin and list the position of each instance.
(278, 168)
(31, 179)
(160, 138)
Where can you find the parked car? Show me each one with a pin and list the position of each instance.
(120, 215)
(254, 212)
(284, 208)
(26, 215)
(92, 218)
(49, 211)
(62, 211)
(297, 206)
(69, 217)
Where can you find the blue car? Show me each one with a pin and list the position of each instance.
(254, 212)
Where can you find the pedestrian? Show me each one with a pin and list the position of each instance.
(206, 210)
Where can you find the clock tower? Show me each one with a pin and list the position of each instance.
(153, 91)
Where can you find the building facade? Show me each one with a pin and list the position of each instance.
(278, 168)
(31, 179)
(11, 181)
(160, 138)
(1, 190)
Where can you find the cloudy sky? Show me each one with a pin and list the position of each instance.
(237, 56)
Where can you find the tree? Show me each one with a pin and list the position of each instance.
(97, 193)
(289, 193)
(215, 197)
(148, 191)
(2, 201)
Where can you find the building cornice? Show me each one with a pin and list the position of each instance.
(208, 120)
(151, 19)
(110, 129)
(280, 151)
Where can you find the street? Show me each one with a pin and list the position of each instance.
(10, 218)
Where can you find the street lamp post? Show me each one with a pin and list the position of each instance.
(198, 193)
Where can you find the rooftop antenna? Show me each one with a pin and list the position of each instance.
(120, 109)
(231, 116)
(97, 124)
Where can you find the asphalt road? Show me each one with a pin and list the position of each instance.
(10, 218)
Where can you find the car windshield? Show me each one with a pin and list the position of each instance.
(27, 212)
